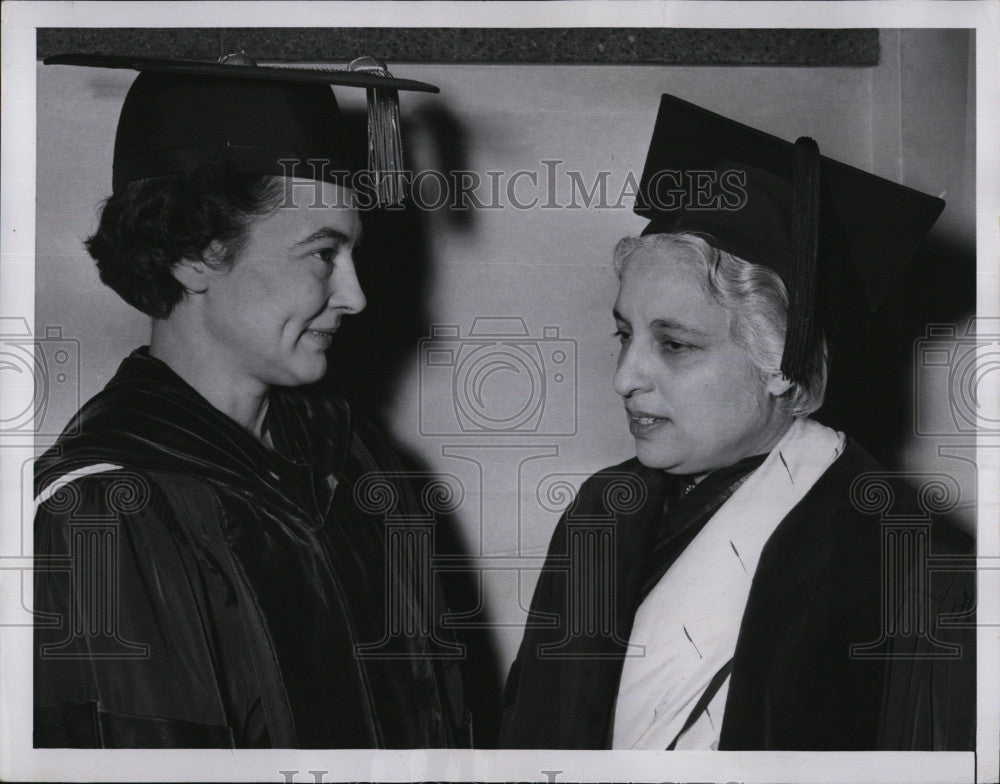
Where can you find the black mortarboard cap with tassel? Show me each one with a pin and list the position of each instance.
(180, 114)
(784, 206)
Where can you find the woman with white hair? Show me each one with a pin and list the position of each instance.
(735, 595)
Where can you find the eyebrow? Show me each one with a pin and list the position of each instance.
(676, 326)
(664, 323)
(328, 233)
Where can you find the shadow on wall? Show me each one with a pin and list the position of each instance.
(395, 272)
(374, 347)
(872, 375)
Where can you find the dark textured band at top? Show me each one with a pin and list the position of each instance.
(592, 45)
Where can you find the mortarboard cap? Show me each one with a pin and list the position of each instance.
(180, 114)
(784, 206)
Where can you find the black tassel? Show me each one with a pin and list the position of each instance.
(385, 147)
(800, 337)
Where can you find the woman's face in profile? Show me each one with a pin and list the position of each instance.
(694, 400)
(271, 316)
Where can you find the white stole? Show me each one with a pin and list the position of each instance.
(690, 621)
(65, 479)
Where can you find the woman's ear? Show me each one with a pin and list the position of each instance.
(192, 275)
(778, 384)
(195, 274)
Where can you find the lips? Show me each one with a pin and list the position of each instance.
(320, 337)
(642, 423)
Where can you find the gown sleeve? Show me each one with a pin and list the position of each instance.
(930, 691)
(137, 638)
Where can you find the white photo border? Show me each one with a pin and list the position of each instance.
(19, 761)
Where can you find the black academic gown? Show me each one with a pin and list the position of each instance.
(242, 578)
(794, 683)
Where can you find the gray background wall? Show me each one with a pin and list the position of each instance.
(909, 118)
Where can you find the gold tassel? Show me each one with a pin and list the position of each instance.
(385, 148)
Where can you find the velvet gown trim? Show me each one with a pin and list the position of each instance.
(306, 565)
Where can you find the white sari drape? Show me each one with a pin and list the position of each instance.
(690, 621)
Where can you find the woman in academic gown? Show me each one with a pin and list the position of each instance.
(214, 564)
(728, 587)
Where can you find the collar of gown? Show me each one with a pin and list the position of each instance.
(149, 418)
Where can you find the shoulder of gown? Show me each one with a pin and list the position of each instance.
(124, 651)
(822, 661)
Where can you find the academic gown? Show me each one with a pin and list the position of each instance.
(243, 578)
(816, 592)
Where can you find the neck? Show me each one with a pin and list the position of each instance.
(766, 441)
(182, 348)
(770, 439)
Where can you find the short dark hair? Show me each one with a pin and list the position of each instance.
(150, 225)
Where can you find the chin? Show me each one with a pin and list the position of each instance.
(303, 374)
(312, 378)
(651, 457)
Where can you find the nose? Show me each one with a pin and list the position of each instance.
(632, 375)
(346, 294)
